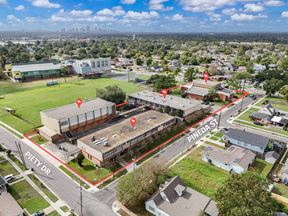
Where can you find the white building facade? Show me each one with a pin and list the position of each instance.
(92, 67)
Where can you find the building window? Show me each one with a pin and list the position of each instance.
(106, 63)
(93, 64)
(98, 64)
(103, 64)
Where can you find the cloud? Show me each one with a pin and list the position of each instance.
(115, 11)
(246, 17)
(159, 5)
(80, 13)
(19, 8)
(177, 17)
(253, 8)
(2, 2)
(214, 17)
(80, 16)
(12, 19)
(204, 5)
(229, 11)
(274, 3)
(44, 4)
(128, 1)
(284, 14)
(31, 19)
(132, 15)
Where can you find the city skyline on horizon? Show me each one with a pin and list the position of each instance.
(146, 16)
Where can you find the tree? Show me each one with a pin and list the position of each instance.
(149, 61)
(160, 82)
(272, 86)
(80, 158)
(136, 187)
(284, 91)
(190, 75)
(283, 65)
(245, 195)
(139, 61)
(112, 93)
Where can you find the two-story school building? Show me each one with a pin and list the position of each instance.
(106, 144)
(67, 121)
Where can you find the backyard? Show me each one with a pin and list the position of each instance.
(29, 101)
(199, 175)
(276, 102)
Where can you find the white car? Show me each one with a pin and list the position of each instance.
(8, 178)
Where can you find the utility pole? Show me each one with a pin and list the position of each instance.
(18, 146)
(219, 119)
(81, 199)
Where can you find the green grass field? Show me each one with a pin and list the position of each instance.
(30, 101)
(280, 189)
(53, 213)
(199, 175)
(245, 115)
(45, 190)
(39, 139)
(89, 171)
(261, 167)
(6, 168)
(27, 197)
(279, 103)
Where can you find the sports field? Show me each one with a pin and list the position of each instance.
(28, 102)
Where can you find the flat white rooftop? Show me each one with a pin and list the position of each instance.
(36, 67)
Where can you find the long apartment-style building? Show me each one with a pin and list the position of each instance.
(66, 121)
(103, 145)
(155, 100)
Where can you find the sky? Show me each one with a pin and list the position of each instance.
(146, 15)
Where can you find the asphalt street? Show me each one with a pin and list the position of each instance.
(97, 204)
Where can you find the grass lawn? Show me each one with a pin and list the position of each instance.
(74, 177)
(270, 129)
(261, 167)
(280, 189)
(246, 114)
(279, 103)
(64, 208)
(219, 134)
(90, 172)
(6, 168)
(30, 101)
(18, 162)
(200, 175)
(53, 213)
(39, 139)
(27, 197)
(43, 187)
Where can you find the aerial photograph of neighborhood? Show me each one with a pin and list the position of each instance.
(143, 107)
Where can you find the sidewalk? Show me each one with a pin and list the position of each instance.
(53, 206)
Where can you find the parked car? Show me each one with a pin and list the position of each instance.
(8, 178)
(258, 123)
(39, 213)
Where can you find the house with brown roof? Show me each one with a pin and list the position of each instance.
(235, 159)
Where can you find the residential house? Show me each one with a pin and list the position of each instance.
(272, 156)
(9, 206)
(234, 159)
(254, 142)
(175, 199)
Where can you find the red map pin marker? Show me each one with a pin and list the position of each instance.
(79, 101)
(133, 121)
(164, 92)
(206, 76)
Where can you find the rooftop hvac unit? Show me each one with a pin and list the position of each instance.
(97, 142)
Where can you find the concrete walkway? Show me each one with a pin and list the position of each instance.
(53, 206)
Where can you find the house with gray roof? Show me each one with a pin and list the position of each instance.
(175, 199)
(235, 159)
(9, 206)
(254, 142)
(3, 184)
